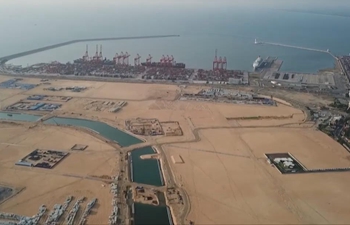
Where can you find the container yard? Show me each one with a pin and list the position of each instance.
(49, 98)
(14, 84)
(42, 158)
(33, 106)
(222, 76)
(228, 96)
(168, 74)
(104, 106)
(164, 70)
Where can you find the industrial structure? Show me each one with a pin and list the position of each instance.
(219, 63)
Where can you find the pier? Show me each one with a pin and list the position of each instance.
(4, 59)
(296, 47)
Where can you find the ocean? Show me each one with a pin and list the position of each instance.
(229, 29)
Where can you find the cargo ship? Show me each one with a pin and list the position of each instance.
(257, 63)
(158, 64)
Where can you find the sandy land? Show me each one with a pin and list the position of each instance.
(225, 173)
(108, 90)
(230, 182)
(49, 187)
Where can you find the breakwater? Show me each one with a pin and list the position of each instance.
(296, 47)
(4, 59)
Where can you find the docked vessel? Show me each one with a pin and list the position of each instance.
(257, 63)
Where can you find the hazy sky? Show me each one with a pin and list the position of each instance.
(257, 3)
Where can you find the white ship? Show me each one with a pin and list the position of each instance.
(257, 62)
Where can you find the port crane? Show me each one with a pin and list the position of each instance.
(162, 60)
(137, 60)
(100, 57)
(215, 61)
(86, 56)
(95, 58)
(126, 56)
(224, 64)
(149, 59)
(122, 57)
(171, 59)
(116, 58)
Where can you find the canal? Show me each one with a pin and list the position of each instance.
(19, 117)
(149, 214)
(145, 171)
(105, 130)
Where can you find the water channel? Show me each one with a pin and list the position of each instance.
(146, 171)
(102, 129)
(153, 215)
(18, 117)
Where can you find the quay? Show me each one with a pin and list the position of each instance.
(296, 47)
(4, 59)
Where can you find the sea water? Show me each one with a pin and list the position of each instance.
(231, 29)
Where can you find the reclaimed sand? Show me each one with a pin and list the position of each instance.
(225, 173)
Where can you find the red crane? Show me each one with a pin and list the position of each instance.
(86, 56)
(224, 64)
(219, 63)
(149, 59)
(137, 60)
(215, 61)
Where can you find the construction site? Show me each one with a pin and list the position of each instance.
(104, 106)
(153, 127)
(49, 98)
(228, 96)
(216, 172)
(33, 106)
(145, 196)
(42, 158)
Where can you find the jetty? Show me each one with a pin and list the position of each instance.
(296, 47)
(4, 59)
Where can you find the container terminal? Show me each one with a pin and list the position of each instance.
(166, 69)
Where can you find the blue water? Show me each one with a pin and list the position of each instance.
(229, 27)
(18, 117)
(152, 215)
(145, 171)
(103, 129)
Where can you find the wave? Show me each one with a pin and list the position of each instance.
(317, 13)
